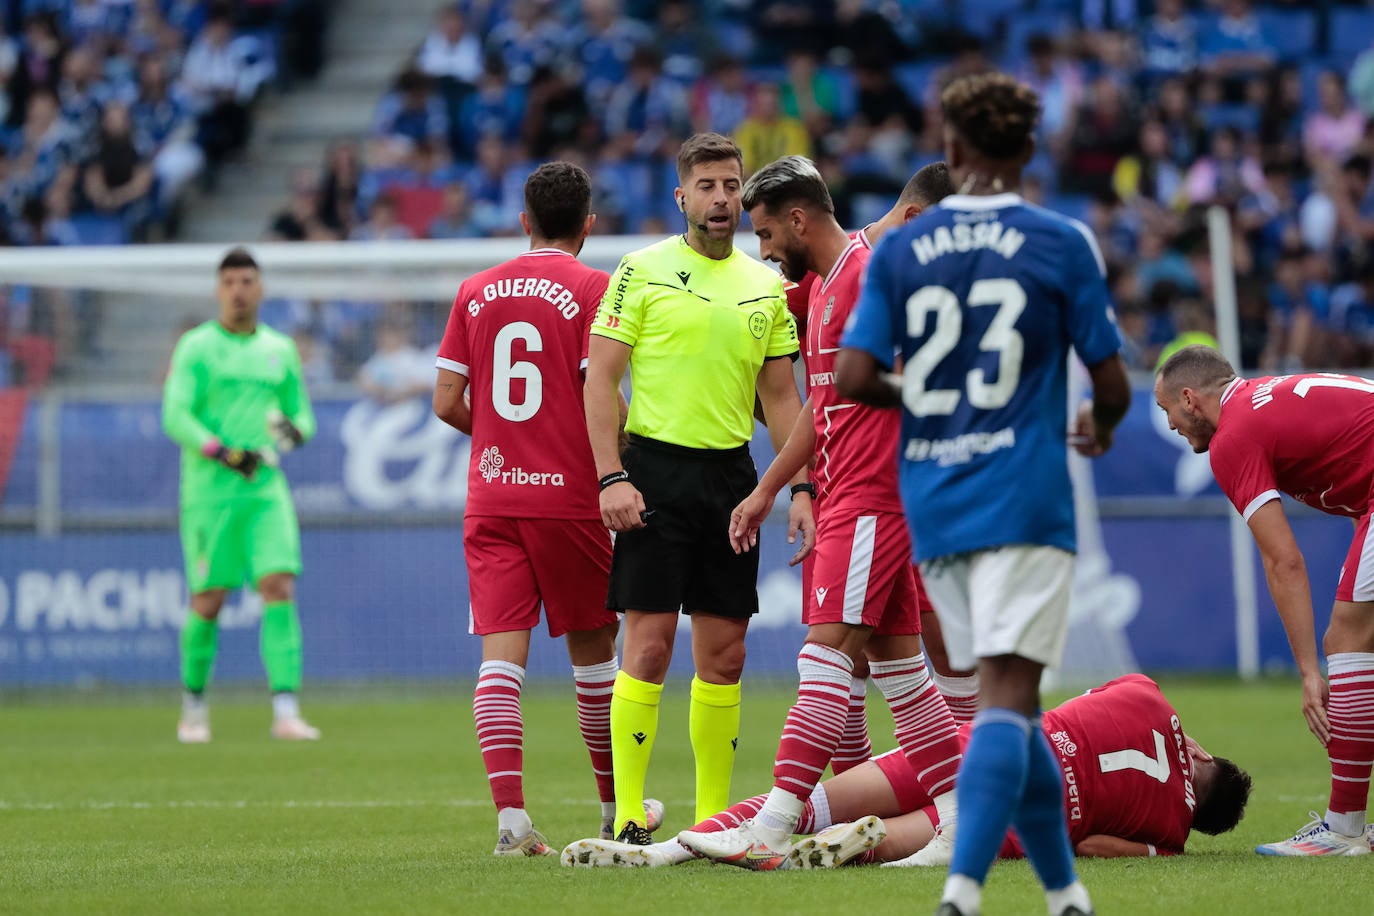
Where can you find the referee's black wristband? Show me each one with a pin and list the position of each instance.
(808, 488)
(613, 478)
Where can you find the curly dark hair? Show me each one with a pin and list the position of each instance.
(1224, 805)
(993, 112)
(558, 197)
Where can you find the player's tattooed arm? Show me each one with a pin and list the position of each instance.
(451, 400)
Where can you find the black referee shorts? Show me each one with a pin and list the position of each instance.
(681, 560)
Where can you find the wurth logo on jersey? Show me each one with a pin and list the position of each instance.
(492, 468)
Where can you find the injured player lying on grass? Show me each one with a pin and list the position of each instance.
(1135, 785)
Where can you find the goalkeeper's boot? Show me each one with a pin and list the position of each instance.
(838, 844)
(745, 846)
(531, 844)
(653, 819)
(1317, 839)
(194, 725)
(294, 728)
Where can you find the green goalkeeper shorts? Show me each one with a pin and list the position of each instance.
(232, 543)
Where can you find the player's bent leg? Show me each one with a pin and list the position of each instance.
(1349, 649)
(713, 719)
(855, 747)
(959, 687)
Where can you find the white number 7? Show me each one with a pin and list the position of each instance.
(1132, 759)
(1321, 381)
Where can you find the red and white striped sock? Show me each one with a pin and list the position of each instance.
(925, 729)
(855, 748)
(595, 684)
(815, 814)
(810, 735)
(1351, 748)
(501, 731)
(960, 693)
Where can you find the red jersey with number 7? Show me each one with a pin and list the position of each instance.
(518, 332)
(1310, 436)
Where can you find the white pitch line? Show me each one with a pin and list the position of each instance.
(97, 805)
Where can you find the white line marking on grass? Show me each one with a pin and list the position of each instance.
(317, 803)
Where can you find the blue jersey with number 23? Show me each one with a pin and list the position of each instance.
(982, 297)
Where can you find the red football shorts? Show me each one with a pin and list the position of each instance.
(862, 575)
(1357, 575)
(516, 564)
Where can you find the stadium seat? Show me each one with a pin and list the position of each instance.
(1351, 32)
(99, 229)
(1074, 206)
(1293, 32)
(985, 18)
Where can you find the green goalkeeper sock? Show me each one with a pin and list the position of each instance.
(199, 641)
(280, 646)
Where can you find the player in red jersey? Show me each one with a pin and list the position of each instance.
(1312, 437)
(1135, 784)
(510, 375)
(863, 597)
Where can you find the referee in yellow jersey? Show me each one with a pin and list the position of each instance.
(702, 327)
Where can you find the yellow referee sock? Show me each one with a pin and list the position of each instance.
(634, 723)
(714, 726)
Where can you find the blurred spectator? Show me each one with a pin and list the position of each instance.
(1335, 128)
(1148, 178)
(865, 34)
(1236, 46)
(781, 26)
(684, 37)
(1168, 43)
(1281, 120)
(1301, 309)
(40, 63)
(82, 97)
(163, 129)
(382, 223)
(38, 225)
(455, 220)
(556, 114)
(339, 188)
(42, 147)
(605, 42)
(117, 180)
(1352, 318)
(720, 98)
(1059, 81)
(1226, 174)
(300, 221)
(767, 133)
(809, 94)
(1180, 122)
(496, 191)
(221, 82)
(1338, 216)
(411, 113)
(1104, 132)
(452, 56)
(399, 369)
(647, 114)
(497, 107)
(526, 41)
(317, 364)
(1362, 82)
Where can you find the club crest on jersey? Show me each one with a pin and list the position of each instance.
(1064, 743)
(829, 307)
(492, 462)
(820, 596)
(758, 325)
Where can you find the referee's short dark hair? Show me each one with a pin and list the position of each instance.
(706, 147)
(237, 257)
(785, 183)
(558, 197)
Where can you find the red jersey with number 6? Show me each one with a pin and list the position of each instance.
(518, 332)
(1310, 436)
(856, 445)
(1126, 771)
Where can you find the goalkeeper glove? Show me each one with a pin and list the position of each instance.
(242, 461)
(283, 432)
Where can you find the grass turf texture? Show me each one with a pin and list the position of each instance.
(102, 811)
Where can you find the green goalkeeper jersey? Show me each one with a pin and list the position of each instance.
(223, 386)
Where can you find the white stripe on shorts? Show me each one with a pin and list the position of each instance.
(860, 564)
(1363, 588)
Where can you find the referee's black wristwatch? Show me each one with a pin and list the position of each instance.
(808, 488)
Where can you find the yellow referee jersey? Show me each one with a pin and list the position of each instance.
(701, 329)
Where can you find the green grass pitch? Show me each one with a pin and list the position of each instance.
(102, 811)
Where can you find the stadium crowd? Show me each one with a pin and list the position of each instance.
(1153, 109)
(108, 110)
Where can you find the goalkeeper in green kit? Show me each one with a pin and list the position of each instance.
(234, 401)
